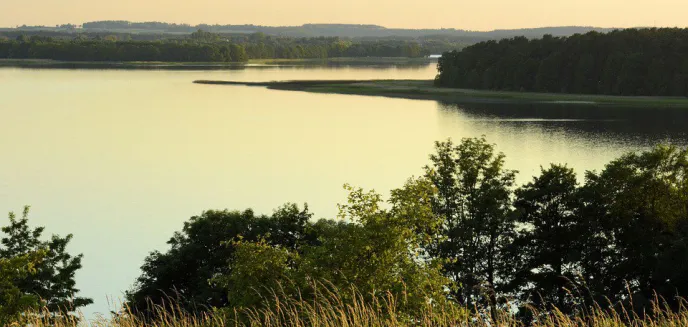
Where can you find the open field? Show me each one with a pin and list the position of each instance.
(425, 90)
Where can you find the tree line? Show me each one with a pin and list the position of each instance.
(202, 46)
(110, 50)
(462, 234)
(650, 62)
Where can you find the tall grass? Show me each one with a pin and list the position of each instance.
(352, 309)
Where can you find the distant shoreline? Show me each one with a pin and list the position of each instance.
(253, 63)
(425, 90)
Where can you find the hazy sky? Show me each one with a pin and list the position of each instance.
(474, 14)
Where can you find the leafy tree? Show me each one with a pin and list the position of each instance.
(372, 250)
(637, 209)
(547, 251)
(14, 302)
(473, 199)
(257, 270)
(52, 278)
(381, 250)
(203, 250)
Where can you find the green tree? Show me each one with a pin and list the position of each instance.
(258, 269)
(382, 250)
(635, 240)
(53, 279)
(15, 302)
(547, 251)
(378, 252)
(238, 53)
(203, 250)
(473, 199)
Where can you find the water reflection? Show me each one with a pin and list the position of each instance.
(631, 126)
(583, 137)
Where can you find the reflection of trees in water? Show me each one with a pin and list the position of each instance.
(635, 125)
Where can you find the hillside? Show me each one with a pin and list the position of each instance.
(310, 30)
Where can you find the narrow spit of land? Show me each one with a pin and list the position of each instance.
(425, 90)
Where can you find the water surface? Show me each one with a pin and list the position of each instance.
(122, 158)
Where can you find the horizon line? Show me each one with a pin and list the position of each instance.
(349, 24)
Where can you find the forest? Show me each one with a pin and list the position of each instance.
(203, 46)
(643, 62)
(462, 239)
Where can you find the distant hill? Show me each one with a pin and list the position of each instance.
(315, 30)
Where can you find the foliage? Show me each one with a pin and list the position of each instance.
(13, 300)
(375, 251)
(256, 268)
(473, 198)
(204, 250)
(547, 251)
(623, 62)
(48, 269)
(636, 219)
(461, 234)
(202, 46)
(108, 50)
(380, 250)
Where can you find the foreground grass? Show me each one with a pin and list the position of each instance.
(353, 310)
(425, 90)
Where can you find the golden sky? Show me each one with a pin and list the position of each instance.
(460, 14)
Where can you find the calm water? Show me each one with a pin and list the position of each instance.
(122, 158)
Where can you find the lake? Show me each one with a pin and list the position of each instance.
(122, 158)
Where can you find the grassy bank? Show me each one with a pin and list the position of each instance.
(425, 90)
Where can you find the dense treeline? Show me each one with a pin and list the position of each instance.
(461, 234)
(261, 46)
(110, 50)
(626, 62)
(203, 46)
